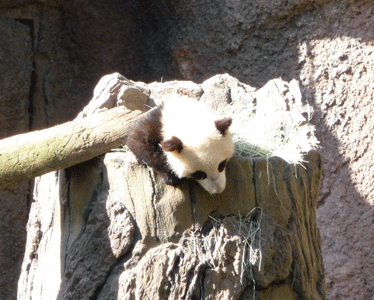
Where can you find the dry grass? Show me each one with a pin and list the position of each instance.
(275, 135)
(245, 231)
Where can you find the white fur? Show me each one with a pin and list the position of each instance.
(204, 146)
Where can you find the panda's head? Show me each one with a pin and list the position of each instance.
(197, 144)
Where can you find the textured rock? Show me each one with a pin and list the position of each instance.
(113, 90)
(16, 63)
(52, 54)
(16, 69)
(326, 45)
(75, 225)
(168, 260)
(114, 230)
(74, 44)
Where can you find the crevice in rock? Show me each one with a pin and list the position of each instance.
(254, 180)
(192, 195)
(64, 178)
(33, 77)
(153, 200)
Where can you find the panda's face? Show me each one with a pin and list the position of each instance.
(205, 162)
(215, 183)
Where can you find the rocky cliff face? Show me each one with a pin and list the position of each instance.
(16, 69)
(114, 230)
(327, 45)
(119, 232)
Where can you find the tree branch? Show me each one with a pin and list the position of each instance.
(25, 156)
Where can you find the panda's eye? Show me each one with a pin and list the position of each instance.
(222, 166)
(199, 175)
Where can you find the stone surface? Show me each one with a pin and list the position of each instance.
(180, 247)
(16, 58)
(115, 90)
(341, 70)
(325, 44)
(74, 224)
(328, 47)
(74, 44)
(114, 230)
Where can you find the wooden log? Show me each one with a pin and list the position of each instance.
(25, 156)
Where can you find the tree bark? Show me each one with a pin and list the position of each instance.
(26, 156)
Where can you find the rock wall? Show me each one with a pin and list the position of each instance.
(326, 44)
(16, 68)
(52, 53)
(113, 230)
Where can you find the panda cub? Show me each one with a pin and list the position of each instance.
(182, 138)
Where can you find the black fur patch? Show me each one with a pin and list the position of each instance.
(199, 175)
(174, 144)
(222, 165)
(144, 141)
(223, 124)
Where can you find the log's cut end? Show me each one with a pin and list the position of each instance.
(114, 230)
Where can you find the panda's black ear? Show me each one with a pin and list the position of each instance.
(174, 144)
(223, 124)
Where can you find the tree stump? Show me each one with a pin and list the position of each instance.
(109, 228)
